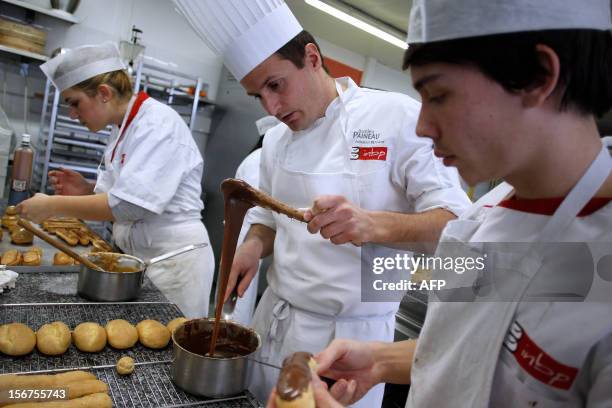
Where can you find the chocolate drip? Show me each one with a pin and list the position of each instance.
(295, 376)
(234, 211)
(239, 196)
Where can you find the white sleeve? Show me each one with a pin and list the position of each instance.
(154, 166)
(428, 183)
(259, 215)
(593, 383)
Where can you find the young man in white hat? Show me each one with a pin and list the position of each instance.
(352, 152)
(511, 90)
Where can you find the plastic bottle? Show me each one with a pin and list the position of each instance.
(22, 171)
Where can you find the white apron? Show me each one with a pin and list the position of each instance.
(185, 280)
(286, 328)
(459, 347)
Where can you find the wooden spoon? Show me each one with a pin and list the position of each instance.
(59, 245)
(243, 191)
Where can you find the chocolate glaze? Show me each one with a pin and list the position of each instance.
(234, 211)
(235, 341)
(295, 376)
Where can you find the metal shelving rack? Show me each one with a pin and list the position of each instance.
(69, 144)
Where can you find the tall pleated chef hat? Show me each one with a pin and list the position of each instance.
(266, 123)
(437, 20)
(243, 32)
(81, 63)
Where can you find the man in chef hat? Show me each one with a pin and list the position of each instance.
(510, 89)
(350, 151)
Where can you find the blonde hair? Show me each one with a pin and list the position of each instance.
(119, 81)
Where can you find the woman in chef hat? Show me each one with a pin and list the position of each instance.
(149, 183)
(510, 90)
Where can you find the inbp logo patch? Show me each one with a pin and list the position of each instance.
(369, 153)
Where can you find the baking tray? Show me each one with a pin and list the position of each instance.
(47, 258)
(36, 314)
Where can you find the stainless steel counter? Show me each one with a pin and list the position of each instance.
(40, 298)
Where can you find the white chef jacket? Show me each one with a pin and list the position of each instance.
(553, 353)
(414, 181)
(156, 165)
(157, 147)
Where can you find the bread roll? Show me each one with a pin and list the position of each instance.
(294, 386)
(21, 236)
(16, 339)
(10, 217)
(12, 257)
(38, 250)
(153, 334)
(121, 334)
(173, 324)
(98, 400)
(125, 365)
(53, 339)
(30, 258)
(12, 381)
(61, 258)
(89, 337)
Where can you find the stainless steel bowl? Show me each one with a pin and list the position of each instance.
(213, 377)
(111, 286)
(67, 5)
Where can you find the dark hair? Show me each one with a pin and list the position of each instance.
(295, 49)
(585, 56)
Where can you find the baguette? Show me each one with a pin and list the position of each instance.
(13, 381)
(69, 236)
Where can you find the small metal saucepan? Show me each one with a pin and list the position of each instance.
(220, 376)
(122, 277)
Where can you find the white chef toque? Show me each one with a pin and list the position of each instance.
(81, 63)
(437, 20)
(243, 32)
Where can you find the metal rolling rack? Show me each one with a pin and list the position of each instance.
(149, 386)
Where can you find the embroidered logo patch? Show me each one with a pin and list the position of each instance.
(122, 158)
(369, 153)
(536, 361)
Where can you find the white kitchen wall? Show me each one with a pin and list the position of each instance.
(375, 74)
(167, 38)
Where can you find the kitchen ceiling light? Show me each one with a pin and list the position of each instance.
(369, 28)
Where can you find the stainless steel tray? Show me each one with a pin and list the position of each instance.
(47, 258)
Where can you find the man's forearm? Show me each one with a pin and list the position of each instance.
(262, 238)
(88, 207)
(394, 361)
(421, 228)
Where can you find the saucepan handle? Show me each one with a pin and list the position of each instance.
(176, 252)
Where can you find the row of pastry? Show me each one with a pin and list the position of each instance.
(53, 339)
(33, 257)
